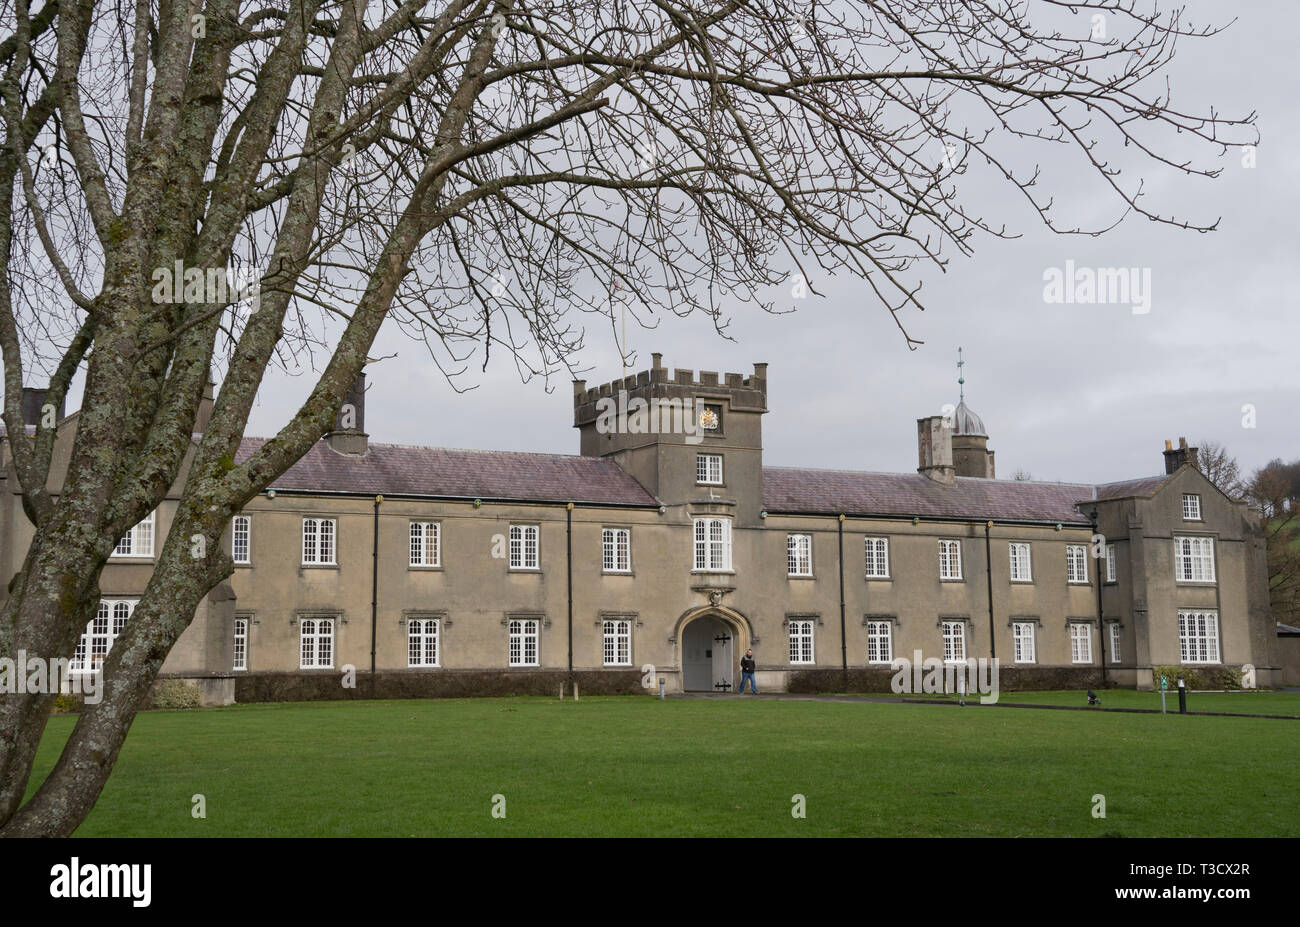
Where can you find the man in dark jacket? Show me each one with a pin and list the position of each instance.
(747, 672)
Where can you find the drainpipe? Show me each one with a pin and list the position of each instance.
(374, 590)
(988, 568)
(568, 565)
(1101, 622)
(844, 642)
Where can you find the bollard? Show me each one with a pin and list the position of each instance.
(575, 690)
(1182, 695)
(661, 688)
(561, 691)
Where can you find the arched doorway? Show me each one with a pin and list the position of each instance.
(711, 651)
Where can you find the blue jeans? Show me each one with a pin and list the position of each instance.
(752, 685)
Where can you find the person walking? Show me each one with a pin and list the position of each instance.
(747, 672)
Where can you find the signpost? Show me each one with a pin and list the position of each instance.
(1164, 685)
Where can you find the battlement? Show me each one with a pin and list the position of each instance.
(747, 393)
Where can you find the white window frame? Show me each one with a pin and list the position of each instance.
(423, 642)
(1022, 567)
(712, 545)
(240, 659)
(1112, 564)
(949, 557)
(708, 469)
(798, 555)
(1080, 642)
(1024, 634)
(616, 642)
(525, 642)
(320, 540)
(801, 642)
(526, 547)
(246, 523)
(101, 633)
(1191, 506)
(876, 554)
(138, 543)
(954, 642)
(316, 642)
(426, 544)
(880, 640)
(616, 550)
(1198, 636)
(1076, 564)
(1115, 641)
(1193, 558)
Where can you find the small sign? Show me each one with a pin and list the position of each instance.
(1164, 682)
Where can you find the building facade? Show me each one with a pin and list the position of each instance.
(665, 549)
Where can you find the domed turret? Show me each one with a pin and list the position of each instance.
(966, 422)
(970, 439)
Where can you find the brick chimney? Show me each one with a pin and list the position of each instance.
(349, 435)
(33, 407)
(1175, 457)
(934, 443)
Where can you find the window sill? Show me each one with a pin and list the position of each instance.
(523, 569)
(617, 573)
(951, 579)
(800, 576)
(424, 568)
(879, 579)
(318, 566)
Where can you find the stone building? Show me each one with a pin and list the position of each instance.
(666, 548)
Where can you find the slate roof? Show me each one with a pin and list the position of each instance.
(911, 494)
(396, 469)
(1129, 488)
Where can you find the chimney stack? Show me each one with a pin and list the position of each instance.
(934, 443)
(205, 407)
(1175, 457)
(34, 405)
(349, 435)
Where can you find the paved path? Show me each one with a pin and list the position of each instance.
(972, 702)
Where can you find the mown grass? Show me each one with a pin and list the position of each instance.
(638, 767)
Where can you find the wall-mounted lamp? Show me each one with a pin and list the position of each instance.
(477, 503)
(662, 509)
(763, 514)
(270, 494)
(915, 520)
(1058, 526)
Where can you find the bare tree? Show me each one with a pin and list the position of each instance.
(481, 173)
(1022, 475)
(1221, 469)
(1275, 491)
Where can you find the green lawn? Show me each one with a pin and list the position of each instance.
(1253, 703)
(635, 766)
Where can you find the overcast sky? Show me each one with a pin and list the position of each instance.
(1082, 393)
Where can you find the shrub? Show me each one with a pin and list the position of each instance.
(67, 704)
(175, 693)
(1210, 677)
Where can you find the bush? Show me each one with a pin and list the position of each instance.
(175, 693)
(1210, 677)
(67, 704)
